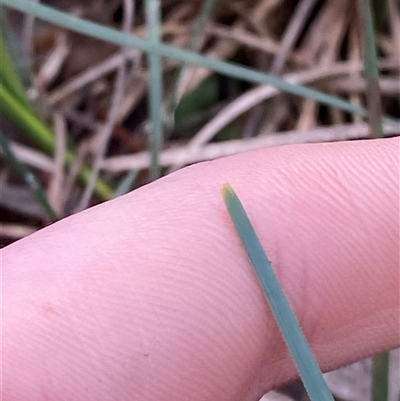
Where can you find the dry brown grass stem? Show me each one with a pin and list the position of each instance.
(259, 94)
(33, 158)
(16, 231)
(117, 164)
(56, 195)
(92, 74)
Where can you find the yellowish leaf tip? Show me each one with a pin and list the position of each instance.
(227, 190)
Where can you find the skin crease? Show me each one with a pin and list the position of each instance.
(150, 296)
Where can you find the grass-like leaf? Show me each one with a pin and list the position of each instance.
(380, 376)
(98, 31)
(9, 74)
(302, 355)
(126, 183)
(153, 19)
(28, 176)
(371, 71)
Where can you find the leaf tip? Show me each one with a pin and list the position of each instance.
(227, 190)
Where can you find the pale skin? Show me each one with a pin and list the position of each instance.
(150, 296)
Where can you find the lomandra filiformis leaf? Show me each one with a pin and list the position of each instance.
(296, 342)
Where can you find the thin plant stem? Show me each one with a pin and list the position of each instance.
(371, 71)
(153, 18)
(28, 176)
(380, 377)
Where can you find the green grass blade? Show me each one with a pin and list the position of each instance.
(297, 344)
(371, 71)
(380, 371)
(19, 59)
(98, 31)
(380, 377)
(9, 77)
(126, 183)
(29, 177)
(39, 134)
(153, 19)
(26, 120)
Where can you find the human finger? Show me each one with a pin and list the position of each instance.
(150, 296)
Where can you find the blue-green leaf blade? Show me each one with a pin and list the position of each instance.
(296, 342)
